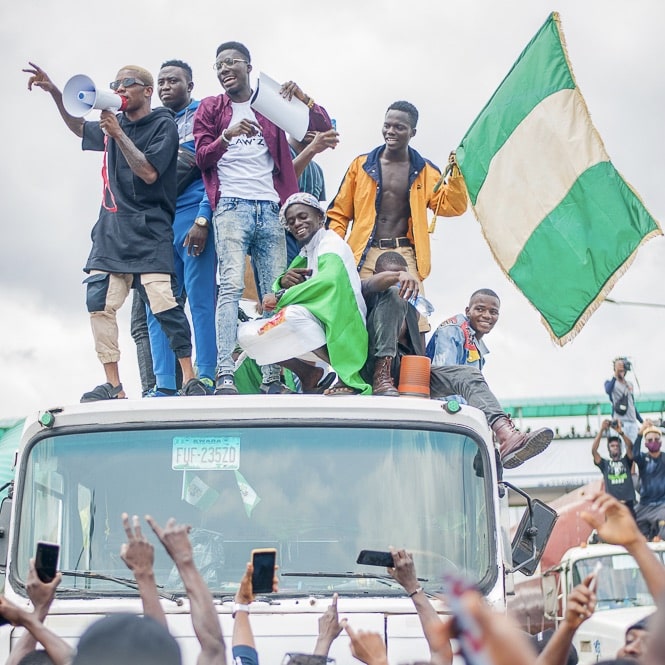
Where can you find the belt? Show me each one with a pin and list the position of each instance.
(391, 243)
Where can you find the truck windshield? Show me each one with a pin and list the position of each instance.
(620, 582)
(317, 494)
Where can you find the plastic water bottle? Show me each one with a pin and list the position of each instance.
(423, 305)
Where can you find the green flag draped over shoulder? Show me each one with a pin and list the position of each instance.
(330, 297)
(560, 220)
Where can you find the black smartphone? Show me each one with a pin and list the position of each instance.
(46, 561)
(263, 561)
(374, 558)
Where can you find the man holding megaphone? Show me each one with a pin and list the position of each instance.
(132, 241)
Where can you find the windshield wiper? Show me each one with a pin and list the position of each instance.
(131, 584)
(369, 576)
(383, 579)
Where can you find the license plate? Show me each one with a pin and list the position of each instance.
(206, 453)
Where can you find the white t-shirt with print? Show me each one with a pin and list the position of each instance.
(245, 169)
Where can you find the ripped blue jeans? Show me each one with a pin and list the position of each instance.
(244, 227)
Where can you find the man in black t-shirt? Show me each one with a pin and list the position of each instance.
(132, 241)
(616, 470)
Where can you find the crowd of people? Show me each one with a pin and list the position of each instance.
(617, 471)
(629, 468)
(481, 635)
(336, 288)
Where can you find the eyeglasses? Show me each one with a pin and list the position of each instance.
(126, 83)
(229, 62)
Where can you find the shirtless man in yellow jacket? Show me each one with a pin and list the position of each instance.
(387, 192)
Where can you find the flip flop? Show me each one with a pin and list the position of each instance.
(322, 385)
(341, 389)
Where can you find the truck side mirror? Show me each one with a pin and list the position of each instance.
(532, 535)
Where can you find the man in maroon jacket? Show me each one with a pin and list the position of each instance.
(248, 173)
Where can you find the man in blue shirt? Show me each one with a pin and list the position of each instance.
(650, 512)
(458, 354)
(193, 246)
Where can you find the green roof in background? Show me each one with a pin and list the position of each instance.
(554, 407)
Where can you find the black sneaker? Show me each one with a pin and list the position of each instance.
(105, 391)
(195, 388)
(225, 385)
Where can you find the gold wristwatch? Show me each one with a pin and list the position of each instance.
(202, 222)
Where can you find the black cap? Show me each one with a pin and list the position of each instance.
(127, 638)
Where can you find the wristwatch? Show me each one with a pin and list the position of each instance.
(239, 607)
(202, 222)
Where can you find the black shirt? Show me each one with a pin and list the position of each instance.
(138, 238)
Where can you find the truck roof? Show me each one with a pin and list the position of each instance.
(291, 409)
(603, 549)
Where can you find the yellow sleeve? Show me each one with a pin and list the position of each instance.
(341, 209)
(451, 199)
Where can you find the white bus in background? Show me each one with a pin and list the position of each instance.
(318, 478)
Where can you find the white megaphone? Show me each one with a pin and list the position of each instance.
(80, 96)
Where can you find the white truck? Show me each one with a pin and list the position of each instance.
(318, 478)
(622, 596)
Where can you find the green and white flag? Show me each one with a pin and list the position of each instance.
(333, 295)
(560, 220)
(198, 493)
(250, 499)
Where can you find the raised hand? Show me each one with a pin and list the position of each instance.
(137, 553)
(39, 78)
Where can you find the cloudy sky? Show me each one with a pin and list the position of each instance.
(355, 58)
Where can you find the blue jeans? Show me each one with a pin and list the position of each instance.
(244, 227)
(197, 275)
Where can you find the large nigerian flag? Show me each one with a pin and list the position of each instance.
(559, 219)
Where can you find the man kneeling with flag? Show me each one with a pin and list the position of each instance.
(319, 308)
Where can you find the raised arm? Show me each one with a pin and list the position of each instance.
(175, 538)
(404, 571)
(139, 556)
(242, 629)
(596, 442)
(321, 141)
(329, 629)
(616, 525)
(41, 595)
(627, 440)
(450, 199)
(57, 649)
(40, 79)
(580, 606)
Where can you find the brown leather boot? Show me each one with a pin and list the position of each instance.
(515, 448)
(382, 383)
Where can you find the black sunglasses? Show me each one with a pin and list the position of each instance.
(126, 83)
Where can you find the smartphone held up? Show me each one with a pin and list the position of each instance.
(263, 563)
(46, 561)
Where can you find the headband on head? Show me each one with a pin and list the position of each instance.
(305, 199)
(652, 430)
